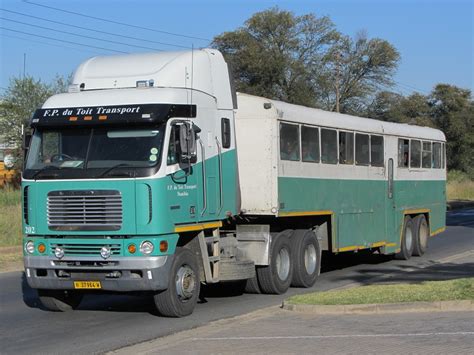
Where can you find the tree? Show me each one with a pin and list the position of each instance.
(17, 104)
(275, 54)
(355, 69)
(453, 112)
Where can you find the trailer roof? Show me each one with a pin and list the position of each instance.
(306, 115)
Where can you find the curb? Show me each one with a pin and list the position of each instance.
(407, 307)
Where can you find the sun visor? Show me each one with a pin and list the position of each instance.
(126, 115)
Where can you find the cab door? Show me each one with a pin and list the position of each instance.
(181, 176)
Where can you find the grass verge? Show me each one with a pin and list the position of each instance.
(460, 186)
(428, 291)
(11, 258)
(10, 218)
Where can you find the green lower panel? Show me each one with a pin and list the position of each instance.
(363, 213)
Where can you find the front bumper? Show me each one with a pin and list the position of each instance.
(122, 274)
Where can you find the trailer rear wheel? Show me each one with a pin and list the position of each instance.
(306, 258)
(422, 232)
(276, 277)
(408, 237)
(59, 301)
(184, 285)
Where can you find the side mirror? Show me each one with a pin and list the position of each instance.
(187, 142)
(26, 141)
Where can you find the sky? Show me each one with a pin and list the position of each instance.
(435, 38)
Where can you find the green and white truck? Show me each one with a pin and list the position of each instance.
(153, 175)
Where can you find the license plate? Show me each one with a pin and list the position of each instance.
(87, 284)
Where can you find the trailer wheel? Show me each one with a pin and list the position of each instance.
(306, 258)
(184, 285)
(422, 232)
(276, 277)
(59, 300)
(408, 238)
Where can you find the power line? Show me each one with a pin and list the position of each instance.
(49, 44)
(115, 22)
(64, 41)
(411, 87)
(77, 35)
(94, 30)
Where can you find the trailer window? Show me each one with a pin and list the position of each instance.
(415, 154)
(376, 150)
(403, 149)
(328, 146)
(443, 156)
(346, 148)
(362, 149)
(289, 142)
(426, 155)
(436, 155)
(310, 144)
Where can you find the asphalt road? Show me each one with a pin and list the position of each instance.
(110, 322)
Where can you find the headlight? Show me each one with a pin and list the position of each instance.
(30, 247)
(147, 247)
(105, 252)
(59, 252)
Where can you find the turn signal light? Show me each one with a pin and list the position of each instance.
(132, 248)
(163, 246)
(41, 248)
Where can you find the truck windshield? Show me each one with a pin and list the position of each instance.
(94, 152)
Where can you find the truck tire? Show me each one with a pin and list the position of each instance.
(60, 301)
(276, 277)
(184, 286)
(422, 233)
(252, 286)
(407, 243)
(306, 258)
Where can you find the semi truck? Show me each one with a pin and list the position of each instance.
(151, 175)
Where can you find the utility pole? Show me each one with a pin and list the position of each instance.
(338, 74)
(24, 65)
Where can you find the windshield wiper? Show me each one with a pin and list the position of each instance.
(48, 167)
(121, 165)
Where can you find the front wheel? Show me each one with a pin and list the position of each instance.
(59, 300)
(184, 285)
(407, 242)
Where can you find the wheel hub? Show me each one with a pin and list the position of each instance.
(310, 259)
(283, 264)
(185, 282)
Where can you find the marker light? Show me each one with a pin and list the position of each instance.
(132, 248)
(147, 247)
(41, 248)
(59, 252)
(163, 246)
(30, 247)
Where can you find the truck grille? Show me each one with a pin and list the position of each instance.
(73, 249)
(74, 210)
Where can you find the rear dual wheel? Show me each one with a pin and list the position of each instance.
(306, 258)
(422, 233)
(275, 278)
(408, 240)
